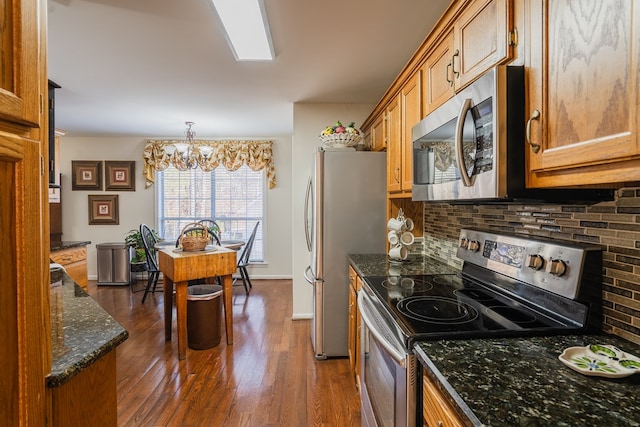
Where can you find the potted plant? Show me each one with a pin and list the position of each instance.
(134, 241)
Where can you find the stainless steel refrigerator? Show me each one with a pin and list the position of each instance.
(344, 214)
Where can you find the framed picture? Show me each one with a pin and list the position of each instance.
(103, 209)
(86, 175)
(120, 176)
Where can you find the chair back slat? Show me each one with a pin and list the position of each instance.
(243, 260)
(149, 241)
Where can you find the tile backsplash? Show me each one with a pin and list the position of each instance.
(614, 225)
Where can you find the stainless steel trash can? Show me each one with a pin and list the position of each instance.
(113, 264)
(204, 313)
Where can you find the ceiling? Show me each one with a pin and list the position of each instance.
(144, 67)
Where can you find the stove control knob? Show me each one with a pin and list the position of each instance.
(464, 243)
(474, 245)
(557, 267)
(535, 262)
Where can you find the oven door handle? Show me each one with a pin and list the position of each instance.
(399, 356)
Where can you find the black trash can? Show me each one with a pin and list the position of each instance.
(204, 313)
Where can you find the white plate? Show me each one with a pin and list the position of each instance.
(600, 360)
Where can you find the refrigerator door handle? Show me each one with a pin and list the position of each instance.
(307, 199)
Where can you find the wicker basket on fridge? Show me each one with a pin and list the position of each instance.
(194, 237)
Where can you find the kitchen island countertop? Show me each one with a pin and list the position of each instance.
(81, 331)
(521, 382)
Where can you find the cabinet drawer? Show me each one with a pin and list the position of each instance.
(436, 410)
(68, 256)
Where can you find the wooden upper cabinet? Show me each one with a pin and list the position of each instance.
(437, 75)
(411, 111)
(20, 93)
(394, 145)
(583, 95)
(378, 136)
(481, 37)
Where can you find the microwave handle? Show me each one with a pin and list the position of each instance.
(466, 179)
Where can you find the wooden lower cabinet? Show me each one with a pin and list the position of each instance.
(436, 410)
(89, 398)
(74, 261)
(355, 283)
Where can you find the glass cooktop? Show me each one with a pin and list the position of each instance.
(438, 306)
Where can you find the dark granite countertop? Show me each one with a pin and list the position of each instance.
(69, 244)
(521, 382)
(81, 331)
(379, 265)
(516, 381)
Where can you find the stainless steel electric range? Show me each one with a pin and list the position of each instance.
(509, 286)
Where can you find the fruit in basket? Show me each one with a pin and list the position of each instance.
(339, 135)
(339, 128)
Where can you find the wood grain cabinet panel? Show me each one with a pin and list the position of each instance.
(583, 82)
(25, 354)
(89, 398)
(436, 410)
(437, 75)
(394, 145)
(481, 39)
(353, 324)
(378, 136)
(411, 110)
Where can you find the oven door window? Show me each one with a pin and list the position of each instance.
(381, 382)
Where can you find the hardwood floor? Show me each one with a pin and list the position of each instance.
(268, 377)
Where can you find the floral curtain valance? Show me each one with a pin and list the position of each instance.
(257, 155)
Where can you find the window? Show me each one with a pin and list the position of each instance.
(234, 199)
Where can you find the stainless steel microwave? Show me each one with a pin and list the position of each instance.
(472, 147)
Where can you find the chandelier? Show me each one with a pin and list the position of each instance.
(189, 154)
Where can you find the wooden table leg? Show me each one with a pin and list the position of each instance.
(181, 314)
(168, 307)
(227, 291)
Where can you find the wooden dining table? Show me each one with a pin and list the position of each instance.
(178, 268)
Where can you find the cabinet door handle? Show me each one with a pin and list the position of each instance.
(453, 63)
(449, 65)
(534, 116)
(396, 175)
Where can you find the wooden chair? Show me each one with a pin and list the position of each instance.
(243, 260)
(149, 241)
(211, 225)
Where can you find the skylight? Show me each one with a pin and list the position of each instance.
(247, 29)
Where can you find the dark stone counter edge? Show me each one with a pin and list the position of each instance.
(69, 244)
(82, 364)
(73, 369)
(448, 392)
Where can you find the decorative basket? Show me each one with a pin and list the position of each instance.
(194, 237)
(342, 139)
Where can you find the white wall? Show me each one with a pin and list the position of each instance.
(308, 121)
(138, 207)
